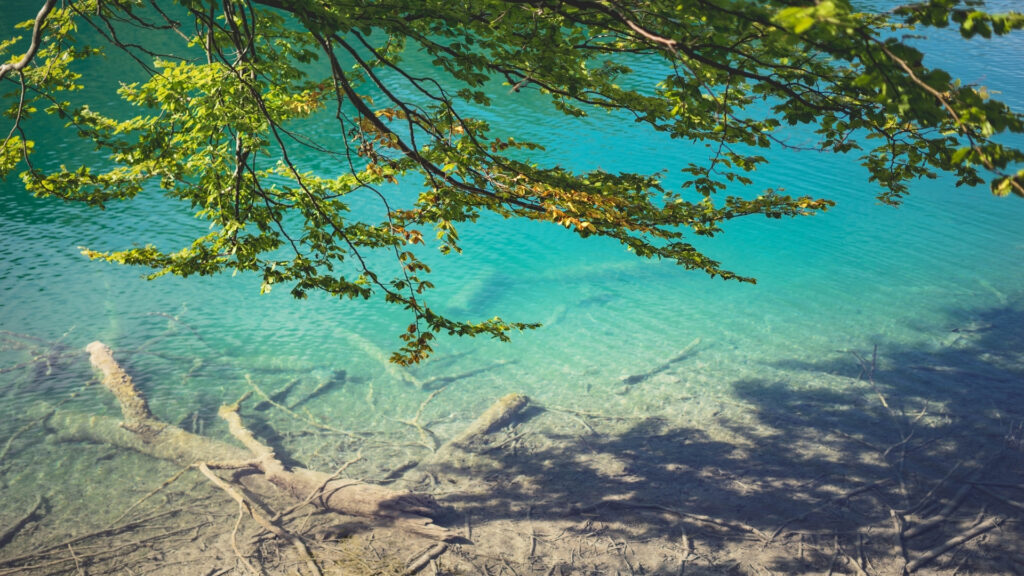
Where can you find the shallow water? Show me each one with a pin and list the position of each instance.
(945, 268)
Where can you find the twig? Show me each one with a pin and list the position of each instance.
(1016, 485)
(921, 503)
(584, 423)
(105, 550)
(428, 439)
(869, 369)
(680, 356)
(9, 533)
(282, 393)
(698, 517)
(77, 539)
(930, 555)
(420, 562)
(941, 516)
(177, 320)
(552, 408)
(862, 558)
(856, 564)
(317, 492)
(423, 406)
(1001, 498)
(308, 419)
(337, 379)
(899, 544)
(165, 484)
(533, 533)
(262, 520)
(835, 557)
(17, 336)
(78, 565)
(775, 533)
(511, 439)
(234, 542)
(504, 563)
(374, 352)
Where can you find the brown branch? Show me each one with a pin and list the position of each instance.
(37, 38)
(949, 108)
(668, 43)
(19, 114)
(923, 85)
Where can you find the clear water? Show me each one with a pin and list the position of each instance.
(858, 276)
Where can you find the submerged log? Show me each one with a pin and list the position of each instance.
(464, 451)
(498, 415)
(144, 433)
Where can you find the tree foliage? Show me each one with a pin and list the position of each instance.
(214, 125)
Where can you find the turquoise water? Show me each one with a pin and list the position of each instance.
(911, 281)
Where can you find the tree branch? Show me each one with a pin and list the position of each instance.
(37, 40)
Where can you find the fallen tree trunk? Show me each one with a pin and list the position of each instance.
(171, 443)
(144, 433)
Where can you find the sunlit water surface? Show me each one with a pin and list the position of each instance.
(910, 281)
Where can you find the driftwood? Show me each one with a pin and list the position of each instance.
(143, 432)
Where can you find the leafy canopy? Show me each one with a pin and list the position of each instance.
(217, 123)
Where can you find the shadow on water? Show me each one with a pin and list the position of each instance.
(863, 462)
(860, 463)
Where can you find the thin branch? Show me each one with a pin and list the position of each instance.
(37, 38)
(262, 520)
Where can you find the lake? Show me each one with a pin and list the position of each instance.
(862, 316)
